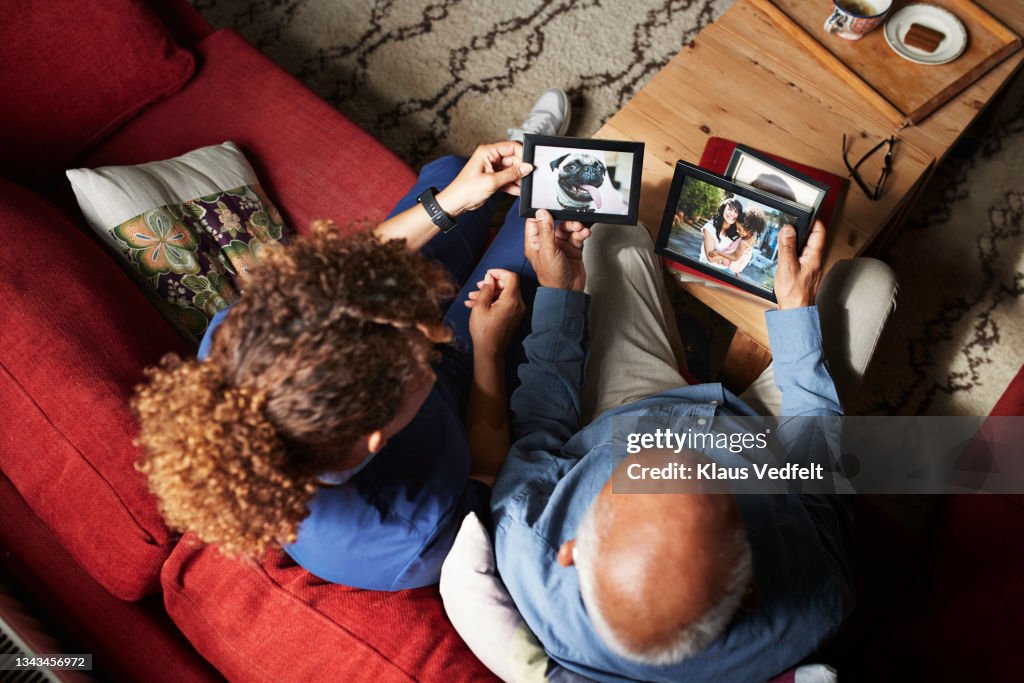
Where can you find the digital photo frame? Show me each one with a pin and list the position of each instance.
(727, 231)
(582, 179)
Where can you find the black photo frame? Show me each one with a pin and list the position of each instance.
(742, 153)
(555, 180)
(673, 237)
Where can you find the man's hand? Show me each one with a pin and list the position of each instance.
(796, 279)
(497, 309)
(492, 168)
(556, 254)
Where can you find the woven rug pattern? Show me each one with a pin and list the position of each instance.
(957, 337)
(430, 77)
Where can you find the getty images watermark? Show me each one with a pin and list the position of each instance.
(893, 455)
(666, 440)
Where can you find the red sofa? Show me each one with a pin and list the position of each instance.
(943, 600)
(121, 82)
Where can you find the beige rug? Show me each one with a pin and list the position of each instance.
(439, 76)
(957, 338)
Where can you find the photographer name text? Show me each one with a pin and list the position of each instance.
(713, 471)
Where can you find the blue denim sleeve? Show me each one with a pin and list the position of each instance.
(809, 395)
(547, 402)
(546, 405)
(801, 372)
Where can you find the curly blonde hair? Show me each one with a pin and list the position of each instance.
(316, 355)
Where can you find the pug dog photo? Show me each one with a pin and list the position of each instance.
(582, 179)
(580, 175)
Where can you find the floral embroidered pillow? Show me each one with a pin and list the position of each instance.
(197, 255)
(190, 228)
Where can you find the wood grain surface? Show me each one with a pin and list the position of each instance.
(745, 79)
(874, 71)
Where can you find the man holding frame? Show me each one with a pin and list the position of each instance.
(582, 179)
(556, 476)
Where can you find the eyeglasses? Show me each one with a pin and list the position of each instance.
(873, 195)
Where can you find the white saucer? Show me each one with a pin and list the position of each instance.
(937, 18)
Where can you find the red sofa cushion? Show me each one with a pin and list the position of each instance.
(1011, 403)
(72, 74)
(276, 622)
(132, 641)
(313, 162)
(77, 333)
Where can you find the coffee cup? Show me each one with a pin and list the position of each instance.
(853, 19)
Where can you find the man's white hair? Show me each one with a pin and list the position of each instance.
(691, 639)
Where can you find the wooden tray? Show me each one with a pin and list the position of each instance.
(906, 92)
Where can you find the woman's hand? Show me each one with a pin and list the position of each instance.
(492, 168)
(497, 309)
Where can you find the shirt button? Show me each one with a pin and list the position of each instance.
(702, 422)
(714, 403)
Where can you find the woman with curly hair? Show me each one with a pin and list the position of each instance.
(336, 412)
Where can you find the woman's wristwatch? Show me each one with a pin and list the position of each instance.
(434, 210)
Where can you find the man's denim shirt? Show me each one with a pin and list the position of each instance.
(801, 544)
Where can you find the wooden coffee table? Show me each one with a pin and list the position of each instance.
(746, 80)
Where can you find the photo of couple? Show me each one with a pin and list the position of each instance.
(733, 234)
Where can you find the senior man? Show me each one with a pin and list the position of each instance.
(662, 587)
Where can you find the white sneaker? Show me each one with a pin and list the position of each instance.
(550, 115)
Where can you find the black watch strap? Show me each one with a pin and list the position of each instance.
(434, 210)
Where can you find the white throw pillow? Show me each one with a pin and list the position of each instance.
(189, 228)
(483, 613)
(110, 195)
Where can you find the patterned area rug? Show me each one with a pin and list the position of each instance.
(957, 338)
(438, 76)
(429, 77)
